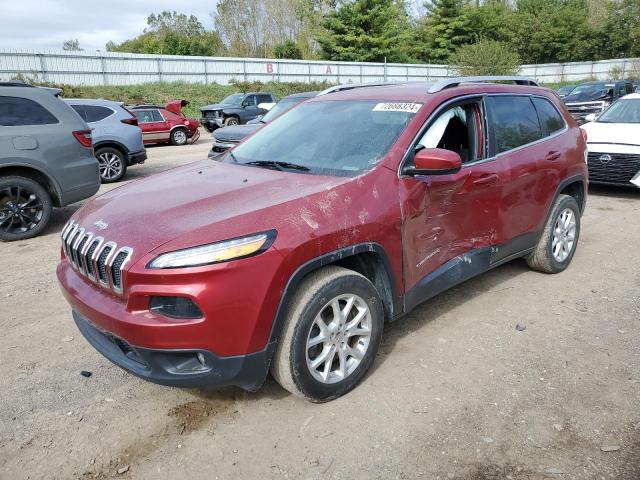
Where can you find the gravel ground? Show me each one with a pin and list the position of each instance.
(457, 392)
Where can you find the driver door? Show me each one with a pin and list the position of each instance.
(448, 216)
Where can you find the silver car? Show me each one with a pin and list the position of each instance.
(46, 159)
(117, 139)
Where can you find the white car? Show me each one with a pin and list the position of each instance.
(613, 140)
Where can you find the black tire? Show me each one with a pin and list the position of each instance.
(542, 258)
(312, 298)
(32, 217)
(231, 121)
(112, 164)
(209, 128)
(179, 136)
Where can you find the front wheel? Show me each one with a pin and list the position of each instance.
(331, 335)
(111, 163)
(559, 240)
(231, 121)
(179, 136)
(25, 208)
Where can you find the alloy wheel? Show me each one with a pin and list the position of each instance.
(180, 137)
(20, 210)
(338, 339)
(110, 166)
(564, 235)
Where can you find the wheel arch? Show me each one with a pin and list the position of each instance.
(369, 259)
(112, 144)
(29, 171)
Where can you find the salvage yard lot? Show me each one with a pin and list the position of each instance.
(457, 392)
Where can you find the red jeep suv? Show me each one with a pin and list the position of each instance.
(290, 253)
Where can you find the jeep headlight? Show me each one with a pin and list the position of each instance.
(215, 252)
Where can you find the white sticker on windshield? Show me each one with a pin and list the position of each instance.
(397, 107)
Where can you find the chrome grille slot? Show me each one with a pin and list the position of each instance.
(101, 262)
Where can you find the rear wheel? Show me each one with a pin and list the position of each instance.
(112, 164)
(25, 208)
(179, 136)
(331, 335)
(559, 241)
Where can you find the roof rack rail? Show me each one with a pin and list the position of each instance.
(457, 81)
(351, 86)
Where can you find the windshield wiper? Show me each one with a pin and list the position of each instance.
(278, 165)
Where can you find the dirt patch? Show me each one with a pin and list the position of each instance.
(194, 415)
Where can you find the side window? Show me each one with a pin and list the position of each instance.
(458, 129)
(143, 116)
(264, 99)
(96, 113)
(513, 122)
(550, 119)
(251, 100)
(157, 116)
(80, 111)
(17, 111)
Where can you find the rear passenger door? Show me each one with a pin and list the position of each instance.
(528, 157)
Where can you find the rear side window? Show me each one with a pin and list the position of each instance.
(550, 119)
(513, 121)
(16, 111)
(96, 113)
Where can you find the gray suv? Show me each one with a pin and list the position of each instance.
(46, 159)
(117, 139)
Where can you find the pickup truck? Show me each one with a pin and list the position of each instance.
(236, 109)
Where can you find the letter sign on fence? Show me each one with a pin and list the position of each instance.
(269, 67)
(328, 70)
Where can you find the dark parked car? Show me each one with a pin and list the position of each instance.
(117, 138)
(236, 109)
(46, 159)
(344, 213)
(566, 90)
(228, 137)
(595, 97)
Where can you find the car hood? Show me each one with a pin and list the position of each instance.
(613, 137)
(587, 96)
(215, 106)
(199, 203)
(235, 133)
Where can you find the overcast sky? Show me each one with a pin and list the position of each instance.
(45, 24)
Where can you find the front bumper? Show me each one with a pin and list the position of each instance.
(179, 368)
(212, 123)
(137, 157)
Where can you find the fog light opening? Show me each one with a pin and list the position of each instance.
(180, 308)
(200, 357)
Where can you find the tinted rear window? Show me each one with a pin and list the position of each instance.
(513, 121)
(16, 111)
(550, 119)
(96, 113)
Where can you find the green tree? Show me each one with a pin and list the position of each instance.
(288, 49)
(620, 32)
(367, 31)
(71, 45)
(487, 57)
(444, 28)
(171, 33)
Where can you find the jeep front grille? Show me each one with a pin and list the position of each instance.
(102, 262)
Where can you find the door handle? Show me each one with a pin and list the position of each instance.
(553, 156)
(487, 179)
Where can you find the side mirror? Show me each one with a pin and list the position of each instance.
(590, 118)
(435, 161)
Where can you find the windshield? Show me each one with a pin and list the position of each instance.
(623, 111)
(598, 87)
(343, 138)
(235, 100)
(279, 108)
(566, 90)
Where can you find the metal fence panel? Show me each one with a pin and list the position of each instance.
(108, 68)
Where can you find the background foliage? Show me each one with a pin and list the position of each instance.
(538, 31)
